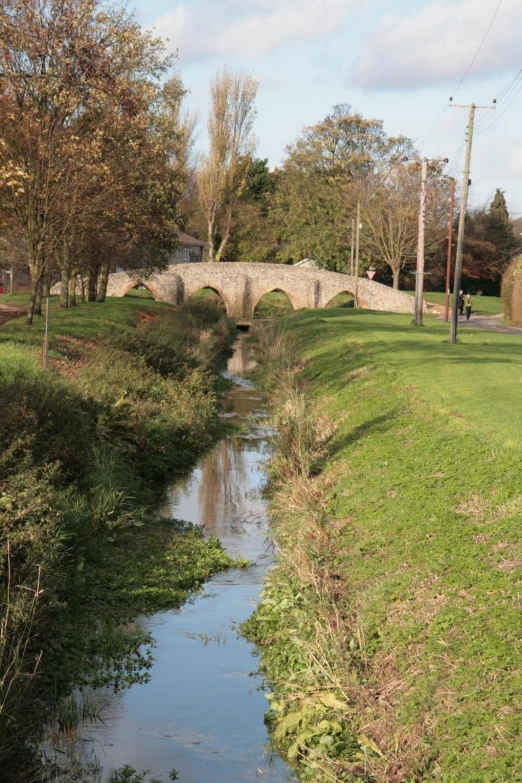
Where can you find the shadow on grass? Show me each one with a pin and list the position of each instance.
(378, 424)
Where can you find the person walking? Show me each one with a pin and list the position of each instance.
(468, 306)
(461, 302)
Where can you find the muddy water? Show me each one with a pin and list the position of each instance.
(202, 711)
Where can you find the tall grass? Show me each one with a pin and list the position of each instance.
(310, 665)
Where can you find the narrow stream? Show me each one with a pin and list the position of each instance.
(202, 711)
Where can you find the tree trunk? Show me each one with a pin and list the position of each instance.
(64, 278)
(92, 279)
(396, 275)
(38, 298)
(210, 241)
(72, 288)
(225, 237)
(36, 268)
(64, 287)
(104, 280)
(35, 284)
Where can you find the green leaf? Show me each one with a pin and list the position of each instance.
(366, 742)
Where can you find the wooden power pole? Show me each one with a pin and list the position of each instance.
(419, 279)
(357, 243)
(462, 217)
(352, 248)
(450, 250)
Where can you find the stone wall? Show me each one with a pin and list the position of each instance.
(241, 286)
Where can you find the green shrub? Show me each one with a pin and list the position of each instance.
(512, 292)
(48, 419)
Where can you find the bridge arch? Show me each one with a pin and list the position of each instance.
(212, 286)
(150, 288)
(291, 298)
(214, 290)
(347, 290)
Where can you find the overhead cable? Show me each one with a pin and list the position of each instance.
(472, 63)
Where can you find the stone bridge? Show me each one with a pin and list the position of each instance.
(241, 286)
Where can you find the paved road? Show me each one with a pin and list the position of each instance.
(489, 322)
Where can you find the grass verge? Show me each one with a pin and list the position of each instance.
(390, 629)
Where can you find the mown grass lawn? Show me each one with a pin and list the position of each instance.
(480, 377)
(424, 483)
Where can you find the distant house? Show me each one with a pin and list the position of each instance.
(190, 250)
(308, 263)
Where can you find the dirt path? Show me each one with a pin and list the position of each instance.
(9, 311)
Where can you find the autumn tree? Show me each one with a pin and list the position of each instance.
(65, 67)
(221, 174)
(320, 182)
(390, 210)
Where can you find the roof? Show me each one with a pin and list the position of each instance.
(308, 262)
(186, 239)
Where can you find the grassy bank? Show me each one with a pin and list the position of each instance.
(391, 626)
(86, 452)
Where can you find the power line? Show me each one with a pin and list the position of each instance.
(498, 116)
(472, 63)
(434, 125)
(506, 93)
(503, 93)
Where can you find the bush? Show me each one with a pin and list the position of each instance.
(48, 419)
(512, 292)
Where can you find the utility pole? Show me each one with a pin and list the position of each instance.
(419, 280)
(357, 243)
(352, 248)
(462, 217)
(450, 247)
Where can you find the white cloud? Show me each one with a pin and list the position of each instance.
(515, 162)
(248, 27)
(436, 43)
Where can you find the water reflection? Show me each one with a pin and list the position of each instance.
(202, 711)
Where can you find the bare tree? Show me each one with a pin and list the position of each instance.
(390, 216)
(222, 172)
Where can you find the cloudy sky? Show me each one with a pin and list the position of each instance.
(396, 60)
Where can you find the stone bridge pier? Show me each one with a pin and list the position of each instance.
(241, 286)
